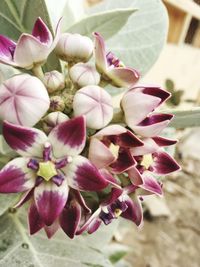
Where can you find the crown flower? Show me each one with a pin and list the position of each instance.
(31, 49)
(68, 140)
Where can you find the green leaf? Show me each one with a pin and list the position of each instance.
(185, 118)
(19, 249)
(17, 17)
(107, 23)
(139, 43)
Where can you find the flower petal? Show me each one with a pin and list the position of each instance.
(26, 141)
(151, 145)
(50, 200)
(124, 161)
(135, 176)
(24, 198)
(51, 229)
(68, 138)
(114, 129)
(137, 106)
(133, 212)
(16, 177)
(100, 52)
(41, 32)
(123, 76)
(128, 140)
(157, 92)
(162, 141)
(7, 48)
(150, 184)
(83, 175)
(99, 154)
(164, 163)
(30, 51)
(70, 218)
(34, 220)
(153, 125)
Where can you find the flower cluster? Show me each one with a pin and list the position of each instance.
(83, 163)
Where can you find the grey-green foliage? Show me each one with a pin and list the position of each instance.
(107, 23)
(185, 118)
(19, 249)
(18, 16)
(139, 43)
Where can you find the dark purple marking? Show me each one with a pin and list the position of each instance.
(35, 221)
(72, 132)
(153, 119)
(12, 180)
(124, 161)
(162, 141)
(40, 31)
(18, 137)
(164, 163)
(157, 92)
(7, 48)
(49, 205)
(89, 178)
(70, 218)
(133, 212)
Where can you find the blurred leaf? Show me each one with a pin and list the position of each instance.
(107, 23)
(17, 17)
(116, 252)
(176, 97)
(71, 11)
(139, 43)
(169, 85)
(19, 249)
(185, 118)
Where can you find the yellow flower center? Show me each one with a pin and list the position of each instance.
(147, 161)
(47, 170)
(114, 149)
(117, 212)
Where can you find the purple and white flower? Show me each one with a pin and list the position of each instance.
(138, 103)
(111, 68)
(31, 49)
(49, 166)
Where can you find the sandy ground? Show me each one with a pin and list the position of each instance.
(173, 241)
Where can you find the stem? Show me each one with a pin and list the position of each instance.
(118, 116)
(38, 72)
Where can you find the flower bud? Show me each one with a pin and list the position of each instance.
(54, 81)
(56, 103)
(53, 119)
(84, 74)
(23, 100)
(96, 104)
(74, 48)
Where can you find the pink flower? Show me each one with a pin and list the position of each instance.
(111, 68)
(31, 49)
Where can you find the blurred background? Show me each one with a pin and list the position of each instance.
(170, 236)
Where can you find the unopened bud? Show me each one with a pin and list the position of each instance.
(84, 74)
(54, 81)
(56, 103)
(53, 119)
(74, 48)
(96, 104)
